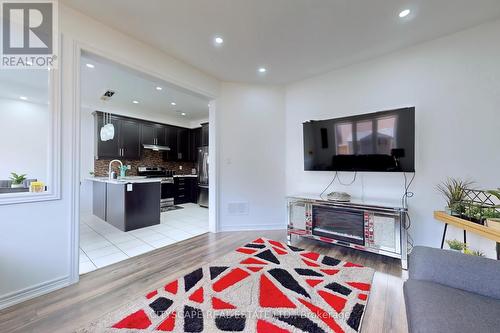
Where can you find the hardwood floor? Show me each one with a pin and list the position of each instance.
(111, 287)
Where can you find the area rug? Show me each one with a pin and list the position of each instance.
(264, 286)
(170, 208)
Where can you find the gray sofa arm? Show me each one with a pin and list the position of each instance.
(457, 270)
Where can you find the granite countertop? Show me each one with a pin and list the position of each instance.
(180, 176)
(126, 180)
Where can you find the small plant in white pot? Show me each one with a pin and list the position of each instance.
(17, 180)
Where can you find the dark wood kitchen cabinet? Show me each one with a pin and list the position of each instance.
(131, 134)
(185, 190)
(130, 139)
(178, 141)
(153, 134)
(194, 143)
(182, 144)
(126, 142)
(110, 148)
(170, 141)
(127, 206)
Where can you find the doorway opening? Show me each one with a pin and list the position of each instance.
(144, 163)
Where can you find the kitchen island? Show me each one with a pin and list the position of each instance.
(128, 203)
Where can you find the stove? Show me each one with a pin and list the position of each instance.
(167, 183)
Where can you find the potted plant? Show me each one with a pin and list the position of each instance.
(476, 253)
(17, 180)
(453, 190)
(456, 245)
(474, 213)
(493, 220)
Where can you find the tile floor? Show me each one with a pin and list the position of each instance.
(101, 244)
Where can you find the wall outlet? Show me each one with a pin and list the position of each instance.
(180, 167)
(129, 167)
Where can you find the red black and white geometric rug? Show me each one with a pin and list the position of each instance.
(264, 286)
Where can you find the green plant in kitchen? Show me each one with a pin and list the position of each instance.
(17, 180)
(456, 245)
(453, 189)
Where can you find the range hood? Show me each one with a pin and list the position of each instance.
(156, 147)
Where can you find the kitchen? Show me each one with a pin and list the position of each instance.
(144, 171)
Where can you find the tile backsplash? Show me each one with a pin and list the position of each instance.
(149, 158)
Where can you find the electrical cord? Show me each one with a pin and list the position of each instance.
(404, 201)
(407, 193)
(352, 182)
(336, 176)
(326, 188)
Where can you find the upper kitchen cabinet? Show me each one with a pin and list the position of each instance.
(170, 141)
(109, 148)
(204, 134)
(130, 139)
(194, 143)
(183, 144)
(178, 141)
(126, 142)
(153, 134)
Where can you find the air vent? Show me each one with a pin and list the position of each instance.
(237, 208)
(107, 95)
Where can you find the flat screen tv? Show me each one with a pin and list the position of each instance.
(380, 142)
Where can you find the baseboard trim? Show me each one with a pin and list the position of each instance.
(252, 227)
(34, 291)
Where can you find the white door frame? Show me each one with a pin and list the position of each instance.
(75, 48)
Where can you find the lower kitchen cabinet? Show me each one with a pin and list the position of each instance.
(127, 206)
(185, 190)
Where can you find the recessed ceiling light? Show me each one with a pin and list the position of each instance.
(159, 88)
(90, 65)
(262, 70)
(24, 98)
(135, 102)
(183, 113)
(173, 104)
(404, 13)
(218, 40)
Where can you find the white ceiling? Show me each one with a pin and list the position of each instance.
(32, 84)
(130, 85)
(294, 39)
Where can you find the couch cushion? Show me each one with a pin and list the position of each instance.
(432, 307)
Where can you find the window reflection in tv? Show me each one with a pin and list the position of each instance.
(381, 141)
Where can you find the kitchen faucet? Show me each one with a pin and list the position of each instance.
(109, 168)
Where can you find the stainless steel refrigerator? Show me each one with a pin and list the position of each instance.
(203, 176)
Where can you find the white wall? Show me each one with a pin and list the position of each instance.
(454, 82)
(35, 257)
(23, 139)
(250, 130)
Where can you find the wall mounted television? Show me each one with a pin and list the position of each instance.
(379, 142)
